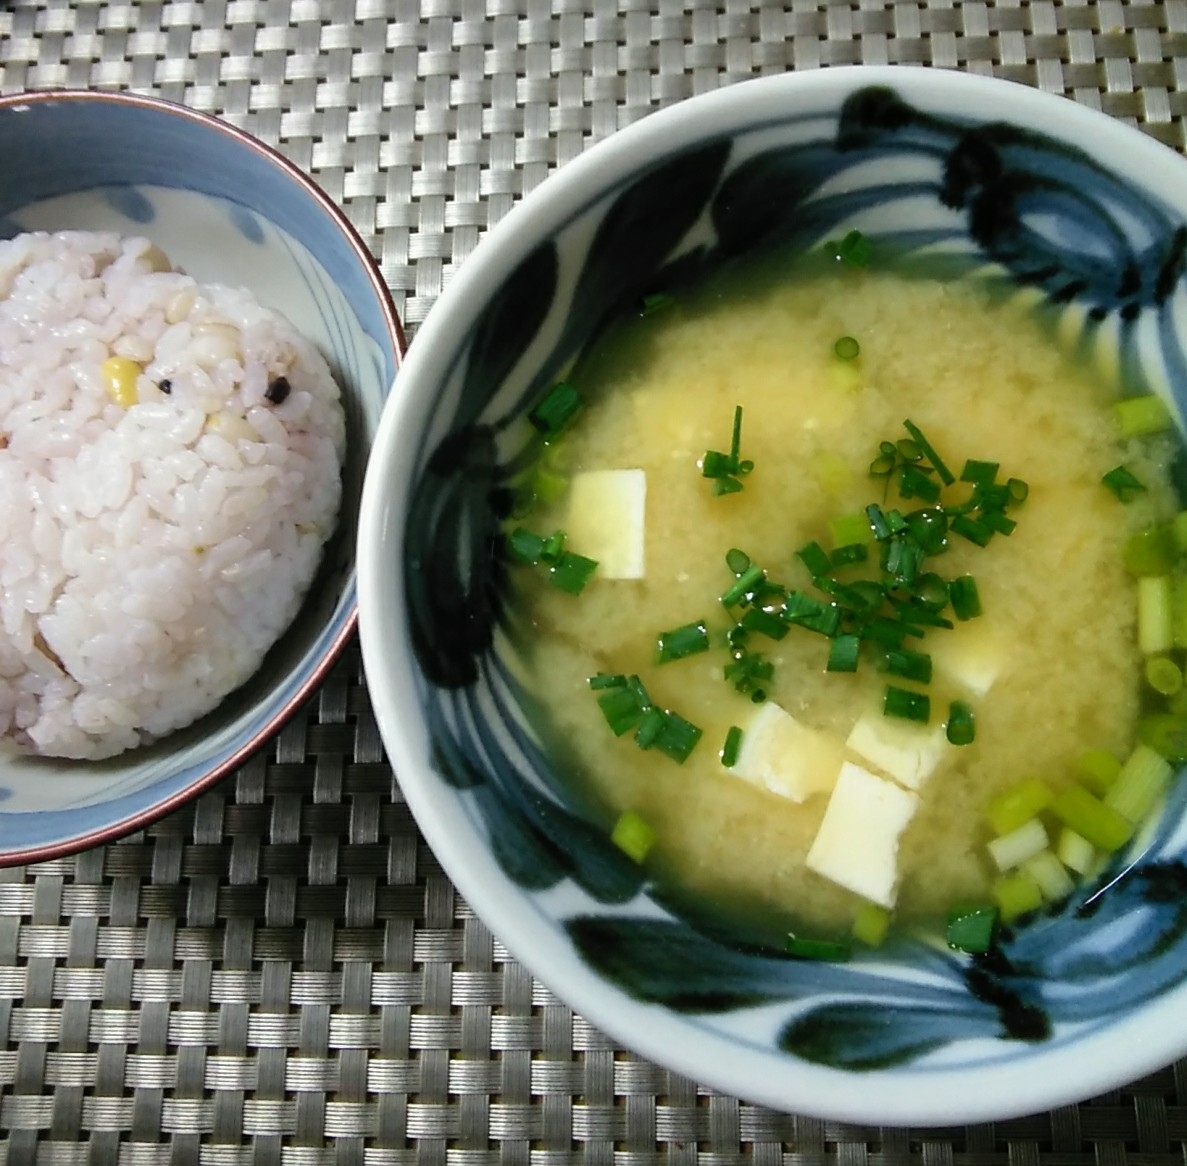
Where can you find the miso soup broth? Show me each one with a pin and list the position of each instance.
(1056, 664)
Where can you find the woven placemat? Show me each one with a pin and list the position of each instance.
(280, 972)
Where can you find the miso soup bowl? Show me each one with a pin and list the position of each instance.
(1088, 214)
(226, 208)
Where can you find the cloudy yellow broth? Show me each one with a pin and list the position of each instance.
(984, 378)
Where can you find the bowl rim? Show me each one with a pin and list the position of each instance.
(932, 1096)
(19, 856)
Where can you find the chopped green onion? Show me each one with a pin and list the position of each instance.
(851, 529)
(745, 583)
(1166, 733)
(971, 929)
(1155, 630)
(1164, 675)
(1102, 825)
(1016, 894)
(979, 473)
(1179, 529)
(732, 747)
(1075, 852)
(847, 348)
(560, 405)
(843, 653)
(765, 623)
(571, 572)
(1050, 875)
(1013, 849)
(633, 835)
(1153, 551)
(1007, 810)
(946, 475)
(908, 664)
(1099, 768)
(1123, 484)
(961, 728)
(871, 924)
(1140, 783)
(815, 558)
(817, 949)
(966, 600)
(1142, 416)
(681, 642)
(908, 705)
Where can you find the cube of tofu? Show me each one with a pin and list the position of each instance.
(971, 654)
(785, 757)
(857, 844)
(606, 520)
(904, 750)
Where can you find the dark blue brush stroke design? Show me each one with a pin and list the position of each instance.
(1049, 218)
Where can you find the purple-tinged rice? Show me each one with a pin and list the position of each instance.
(151, 550)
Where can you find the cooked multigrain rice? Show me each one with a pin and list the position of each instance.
(161, 516)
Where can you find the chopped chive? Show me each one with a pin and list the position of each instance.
(732, 747)
(855, 249)
(682, 641)
(812, 613)
(929, 528)
(1018, 490)
(716, 465)
(607, 680)
(931, 592)
(913, 482)
(980, 473)
(847, 348)
(746, 582)
(909, 450)
(913, 614)
(851, 529)
(878, 523)
(850, 553)
(882, 630)
(946, 475)
(815, 558)
(621, 708)
(765, 623)
(736, 435)
(843, 653)
(656, 302)
(998, 521)
(560, 405)
(677, 737)
(737, 561)
(650, 728)
(961, 728)
(553, 546)
(571, 572)
(1123, 484)
(973, 529)
(883, 465)
(1142, 416)
(908, 664)
(971, 929)
(525, 544)
(726, 485)
(966, 600)
(828, 950)
(633, 835)
(907, 705)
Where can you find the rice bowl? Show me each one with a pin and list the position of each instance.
(156, 543)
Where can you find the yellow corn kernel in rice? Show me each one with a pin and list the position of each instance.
(119, 379)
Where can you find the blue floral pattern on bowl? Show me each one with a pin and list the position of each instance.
(964, 192)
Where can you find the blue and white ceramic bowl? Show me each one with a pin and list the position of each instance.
(226, 209)
(1088, 214)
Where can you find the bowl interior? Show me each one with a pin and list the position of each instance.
(225, 210)
(911, 1033)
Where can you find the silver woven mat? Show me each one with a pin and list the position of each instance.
(280, 972)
